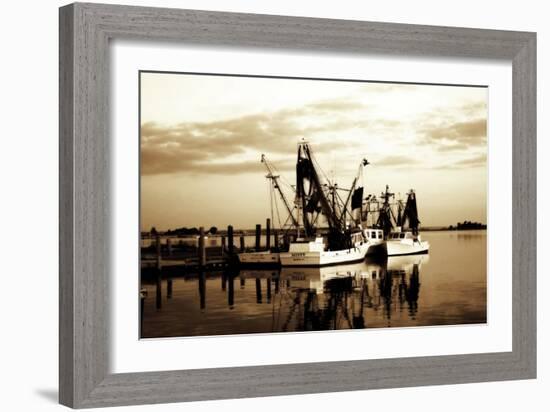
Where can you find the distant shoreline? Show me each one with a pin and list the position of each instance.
(252, 232)
(450, 229)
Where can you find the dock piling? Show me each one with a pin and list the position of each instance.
(202, 248)
(158, 252)
(276, 240)
(241, 239)
(169, 246)
(258, 236)
(268, 234)
(230, 244)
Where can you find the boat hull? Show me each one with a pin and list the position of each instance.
(402, 248)
(326, 258)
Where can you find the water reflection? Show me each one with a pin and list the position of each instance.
(289, 299)
(336, 297)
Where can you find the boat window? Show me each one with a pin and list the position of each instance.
(373, 235)
(380, 235)
(402, 236)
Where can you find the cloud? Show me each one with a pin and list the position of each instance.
(395, 160)
(474, 109)
(457, 135)
(218, 146)
(479, 160)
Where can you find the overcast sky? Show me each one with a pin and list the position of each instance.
(202, 138)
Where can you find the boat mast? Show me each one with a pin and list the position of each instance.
(355, 195)
(312, 197)
(385, 215)
(410, 214)
(275, 182)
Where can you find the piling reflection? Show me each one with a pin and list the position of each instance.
(306, 299)
(337, 297)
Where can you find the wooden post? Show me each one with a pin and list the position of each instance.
(258, 237)
(230, 245)
(276, 240)
(158, 252)
(268, 234)
(169, 246)
(243, 281)
(223, 245)
(241, 239)
(202, 248)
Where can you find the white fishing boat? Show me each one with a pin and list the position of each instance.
(400, 223)
(405, 243)
(329, 224)
(315, 252)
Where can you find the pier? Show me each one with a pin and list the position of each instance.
(202, 252)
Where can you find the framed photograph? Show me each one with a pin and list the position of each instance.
(258, 205)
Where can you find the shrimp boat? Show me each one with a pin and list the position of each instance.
(327, 225)
(401, 228)
(304, 252)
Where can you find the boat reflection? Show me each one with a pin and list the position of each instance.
(373, 293)
(338, 297)
(402, 291)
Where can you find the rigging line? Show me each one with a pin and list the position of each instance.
(278, 213)
(315, 220)
(314, 159)
(271, 199)
(281, 176)
(286, 221)
(283, 179)
(345, 211)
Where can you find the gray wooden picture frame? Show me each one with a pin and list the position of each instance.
(85, 32)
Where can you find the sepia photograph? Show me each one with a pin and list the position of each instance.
(276, 204)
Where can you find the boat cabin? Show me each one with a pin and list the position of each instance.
(302, 245)
(374, 234)
(401, 235)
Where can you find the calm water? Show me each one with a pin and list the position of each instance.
(446, 287)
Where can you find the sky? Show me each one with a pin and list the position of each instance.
(202, 137)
